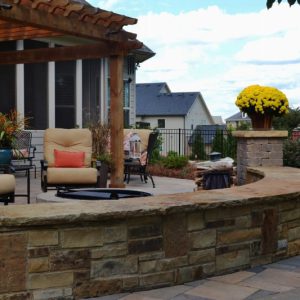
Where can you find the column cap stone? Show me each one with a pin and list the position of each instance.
(260, 133)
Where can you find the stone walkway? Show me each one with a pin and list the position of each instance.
(276, 281)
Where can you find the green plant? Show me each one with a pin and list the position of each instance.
(101, 140)
(271, 2)
(218, 141)
(105, 158)
(198, 147)
(291, 153)
(243, 126)
(289, 121)
(262, 100)
(174, 161)
(230, 145)
(10, 124)
(156, 157)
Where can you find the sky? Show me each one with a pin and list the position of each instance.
(217, 47)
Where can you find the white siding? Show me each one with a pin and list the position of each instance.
(170, 122)
(198, 115)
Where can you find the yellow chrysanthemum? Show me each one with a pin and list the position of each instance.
(262, 99)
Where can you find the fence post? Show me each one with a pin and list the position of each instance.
(179, 142)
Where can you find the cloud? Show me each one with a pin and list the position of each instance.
(218, 54)
(108, 4)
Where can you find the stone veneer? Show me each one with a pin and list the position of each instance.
(74, 250)
(258, 149)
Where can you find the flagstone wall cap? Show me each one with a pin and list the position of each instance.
(278, 184)
(260, 133)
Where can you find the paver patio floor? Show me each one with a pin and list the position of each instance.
(267, 282)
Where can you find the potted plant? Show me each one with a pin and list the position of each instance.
(10, 124)
(262, 103)
(101, 150)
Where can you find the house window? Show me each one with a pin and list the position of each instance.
(7, 81)
(161, 123)
(126, 102)
(36, 89)
(91, 81)
(65, 94)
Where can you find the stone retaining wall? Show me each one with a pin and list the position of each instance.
(73, 251)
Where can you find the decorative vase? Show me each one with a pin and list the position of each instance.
(261, 121)
(5, 156)
(104, 169)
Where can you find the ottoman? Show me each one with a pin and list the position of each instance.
(7, 188)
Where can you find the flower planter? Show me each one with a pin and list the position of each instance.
(261, 121)
(5, 156)
(261, 103)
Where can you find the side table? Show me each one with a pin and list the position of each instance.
(26, 168)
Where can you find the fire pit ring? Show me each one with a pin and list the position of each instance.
(100, 194)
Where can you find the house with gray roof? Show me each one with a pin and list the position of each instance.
(238, 120)
(158, 106)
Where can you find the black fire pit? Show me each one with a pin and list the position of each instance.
(100, 194)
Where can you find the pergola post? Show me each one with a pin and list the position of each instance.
(116, 121)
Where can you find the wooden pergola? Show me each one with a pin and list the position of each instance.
(98, 33)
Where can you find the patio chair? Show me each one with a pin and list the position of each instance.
(68, 159)
(140, 166)
(23, 152)
(7, 188)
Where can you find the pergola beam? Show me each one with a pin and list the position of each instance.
(63, 53)
(60, 24)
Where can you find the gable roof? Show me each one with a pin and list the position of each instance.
(238, 117)
(155, 99)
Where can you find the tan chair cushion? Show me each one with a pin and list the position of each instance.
(143, 134)
(67, 140)
(7, 184)
(72, 175)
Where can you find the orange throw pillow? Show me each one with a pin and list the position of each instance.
(66, 159)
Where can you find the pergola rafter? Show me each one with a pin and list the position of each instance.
(95, 33)
(67, 20)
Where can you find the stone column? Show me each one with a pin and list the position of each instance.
(258, 149)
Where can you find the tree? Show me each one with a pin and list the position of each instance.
(288, 121)
(271, 2)
(230, 147)
(218, 142)
(198, 146)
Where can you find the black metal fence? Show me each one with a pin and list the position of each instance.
(197, 144)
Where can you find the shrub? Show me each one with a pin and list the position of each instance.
(218, 141)
(291, 153)
(174, 161)
(198, 147)
(155, 157)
